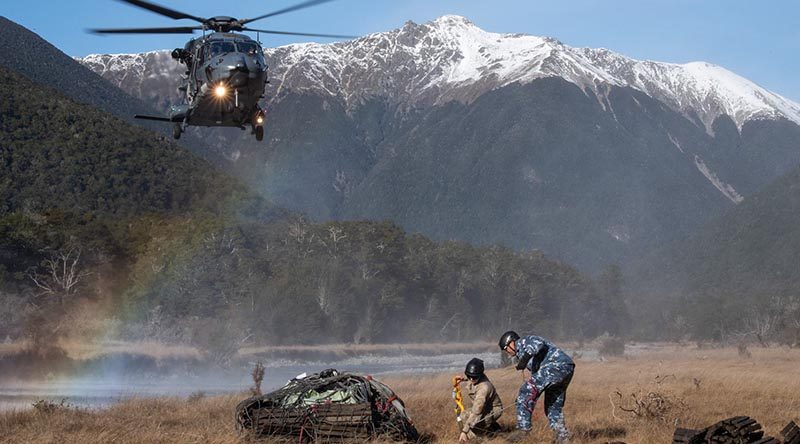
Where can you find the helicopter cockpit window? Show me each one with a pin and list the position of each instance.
(253, 49)
(247, 47)
(219, 48)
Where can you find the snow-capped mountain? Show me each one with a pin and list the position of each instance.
(699, 88)
(461, 133)
(451, 58)
(152, 76)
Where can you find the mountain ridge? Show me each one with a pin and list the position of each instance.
(467, 60)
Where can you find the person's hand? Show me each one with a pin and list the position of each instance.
(463, 437)
(459, 379)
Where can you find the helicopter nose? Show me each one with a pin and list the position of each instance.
(238, 73)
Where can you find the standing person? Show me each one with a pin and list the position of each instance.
(486, 404)
(551, 372)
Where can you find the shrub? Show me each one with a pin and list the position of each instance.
(611, 346)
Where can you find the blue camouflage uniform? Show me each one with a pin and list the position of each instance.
(551, 371)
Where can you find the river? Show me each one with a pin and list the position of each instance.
(107, 384)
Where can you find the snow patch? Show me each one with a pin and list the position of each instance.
(676, 143)
(724, 188)
(531, 176)
(619, 232)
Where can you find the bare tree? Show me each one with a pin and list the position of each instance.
(336, 235)
(367, 272)
(323, 294)
(61, 274)
(761, 326)
(297, 230)
(258, 377)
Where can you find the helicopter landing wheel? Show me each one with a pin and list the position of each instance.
(259, 133)
(176, 131)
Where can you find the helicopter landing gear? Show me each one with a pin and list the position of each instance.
(176, 131)
(258, 125)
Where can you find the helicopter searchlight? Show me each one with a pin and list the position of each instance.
(220, 64)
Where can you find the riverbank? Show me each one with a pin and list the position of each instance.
(637, 398)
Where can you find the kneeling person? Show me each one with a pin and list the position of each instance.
(486, 404)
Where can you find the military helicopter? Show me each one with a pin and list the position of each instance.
(225, 71)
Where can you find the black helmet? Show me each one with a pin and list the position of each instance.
(507, 338)
(474, 368)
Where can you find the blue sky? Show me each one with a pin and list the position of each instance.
(759, 40)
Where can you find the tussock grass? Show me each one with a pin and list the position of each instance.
(712, 384)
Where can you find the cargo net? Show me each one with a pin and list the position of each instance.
(327, 407)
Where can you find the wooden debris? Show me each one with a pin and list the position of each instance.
(736, 430)
(791, 434)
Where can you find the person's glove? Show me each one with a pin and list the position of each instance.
(523, 361)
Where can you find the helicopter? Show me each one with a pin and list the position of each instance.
(226, 72)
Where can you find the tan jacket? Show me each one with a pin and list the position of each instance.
(486, 405)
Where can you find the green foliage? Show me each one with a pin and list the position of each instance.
(300, 282)
(55, 153)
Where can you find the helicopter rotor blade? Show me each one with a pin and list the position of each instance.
(307, 34)
(303, 5)
(176, 30)
(167, 12)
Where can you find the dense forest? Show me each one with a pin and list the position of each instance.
(110, 230)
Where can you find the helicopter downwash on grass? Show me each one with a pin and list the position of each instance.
(225, 71)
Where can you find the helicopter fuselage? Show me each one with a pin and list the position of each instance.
(225, 79)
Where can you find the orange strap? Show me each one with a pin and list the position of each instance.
(459, 409)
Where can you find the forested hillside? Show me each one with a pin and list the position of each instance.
(737, 277)
(110, 230)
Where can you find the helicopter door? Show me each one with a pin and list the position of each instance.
(200, 60)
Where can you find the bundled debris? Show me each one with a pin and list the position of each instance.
(791, 433)
(736, 430)
(329, 407)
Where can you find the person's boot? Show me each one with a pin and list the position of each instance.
(518, 435)
(562, 438)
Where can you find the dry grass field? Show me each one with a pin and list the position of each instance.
(675, 385)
